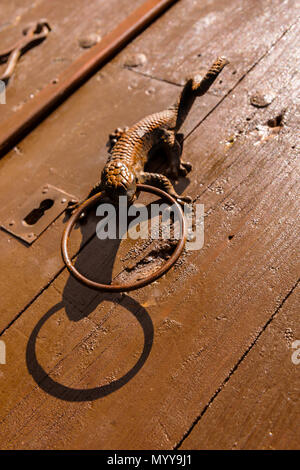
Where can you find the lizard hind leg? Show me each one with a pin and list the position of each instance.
(185, 167)
(173, 149)
(161, 181)
(74, 205)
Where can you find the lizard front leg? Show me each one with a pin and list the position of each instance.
(114, 137)
(162, 182)
(73, 205)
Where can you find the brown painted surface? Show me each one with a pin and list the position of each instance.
(95, 371)
(72, 155)
(51, 95)
(73, 149)
(259, 406)
(70, 22)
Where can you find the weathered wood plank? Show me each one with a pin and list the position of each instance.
(69, 156)
(12, 12)
(69, 23)
(192, 34)
(153, 389)
(259, 407)
(54, 152)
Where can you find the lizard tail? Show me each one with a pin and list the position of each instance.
(196, 86)
(201, 87)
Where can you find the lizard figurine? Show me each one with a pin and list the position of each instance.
(130, 147)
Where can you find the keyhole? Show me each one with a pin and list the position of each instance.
(34, 216)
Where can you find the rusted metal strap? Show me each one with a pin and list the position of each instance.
(131, 285)
(31, 114)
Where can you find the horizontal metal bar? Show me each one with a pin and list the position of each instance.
(31, 114)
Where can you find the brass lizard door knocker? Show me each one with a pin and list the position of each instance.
(124, 175)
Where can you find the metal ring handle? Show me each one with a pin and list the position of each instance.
(133, 285)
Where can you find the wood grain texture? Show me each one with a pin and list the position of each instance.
(120, 372)
(259, 407)
(192, 34)
(70, 22)
(12, 12)
(68, 149)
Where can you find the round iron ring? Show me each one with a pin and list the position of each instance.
(133, 285)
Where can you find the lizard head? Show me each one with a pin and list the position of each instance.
(117, 180)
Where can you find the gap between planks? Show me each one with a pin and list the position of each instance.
(228, 93)
(273, 315)
(234, 369)
(188, 135)
(267, 52)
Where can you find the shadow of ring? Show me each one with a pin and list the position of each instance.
(66, 393)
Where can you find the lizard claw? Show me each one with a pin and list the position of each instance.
(187, 165)
(183, 171)
(184, 199)
(72, 208)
